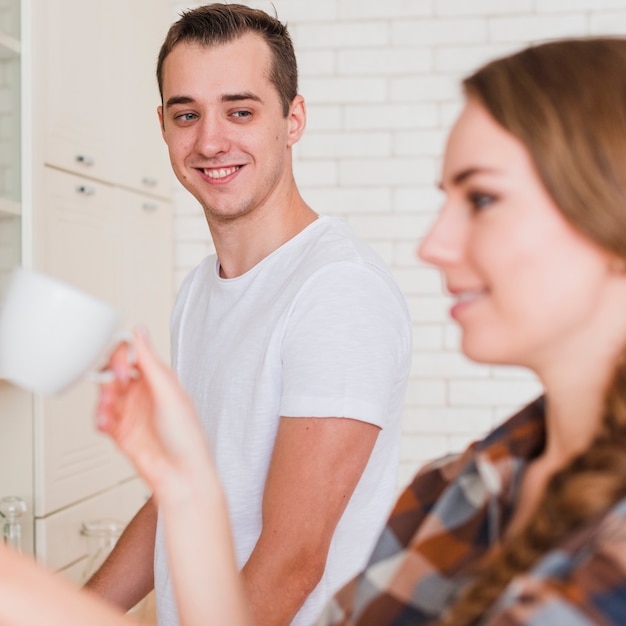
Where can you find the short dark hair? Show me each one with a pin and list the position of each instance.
(217, 24)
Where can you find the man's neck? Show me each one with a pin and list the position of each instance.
(242, 243)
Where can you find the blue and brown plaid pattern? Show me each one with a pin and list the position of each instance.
(453, 513)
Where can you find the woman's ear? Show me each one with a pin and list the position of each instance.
(617, 265)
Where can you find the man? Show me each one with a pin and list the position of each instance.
(293, 340)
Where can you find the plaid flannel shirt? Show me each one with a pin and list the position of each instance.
(458, 508)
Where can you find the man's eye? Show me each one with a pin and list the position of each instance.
(186, 117)
(242, 114)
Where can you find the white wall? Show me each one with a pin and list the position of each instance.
(381, 82)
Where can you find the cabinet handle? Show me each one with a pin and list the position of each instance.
(85, 190)
(149, 182)
(84, 159)
(150, 206)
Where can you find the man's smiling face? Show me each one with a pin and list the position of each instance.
(222, 120)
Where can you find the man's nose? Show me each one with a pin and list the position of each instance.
(212, 136)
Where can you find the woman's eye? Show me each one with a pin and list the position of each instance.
(479, 200)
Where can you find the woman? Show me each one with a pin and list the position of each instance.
(527, 526)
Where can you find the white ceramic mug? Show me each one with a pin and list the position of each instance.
(52, 334)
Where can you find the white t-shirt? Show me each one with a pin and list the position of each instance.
(320, 329)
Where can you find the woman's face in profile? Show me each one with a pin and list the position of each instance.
(526, 286)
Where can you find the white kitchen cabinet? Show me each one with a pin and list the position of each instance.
(146, 263)
(93, 208)
(80, 242)
(74, 77)
(16, 414)
(98, 90)
(144, 168)
(59, 535)
(10, 137)
(77, 233)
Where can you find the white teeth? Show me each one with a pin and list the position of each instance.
(221, 173)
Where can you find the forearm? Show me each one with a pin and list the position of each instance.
(200, 551)
(315, 467)
(277, 581)
(128, 573)
(29, 594)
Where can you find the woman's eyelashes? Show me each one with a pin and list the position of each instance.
(479, 200)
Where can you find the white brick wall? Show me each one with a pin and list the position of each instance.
(381, 82)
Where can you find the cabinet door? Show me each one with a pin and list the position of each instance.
(10, 248)
(78, 241)
(72, 460)
(142, 27)
(147, 243)
(60, 543)
(75, 92)
(16, 453)
(77, 228)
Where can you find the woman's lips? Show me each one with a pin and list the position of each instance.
(464, 300)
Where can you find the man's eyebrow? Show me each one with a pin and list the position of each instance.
(235, 97)
(229, 97)
(178, 100)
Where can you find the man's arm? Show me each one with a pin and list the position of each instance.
(315, 467)
(127, 575)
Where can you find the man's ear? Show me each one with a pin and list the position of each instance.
(297, 120)
(160, 114)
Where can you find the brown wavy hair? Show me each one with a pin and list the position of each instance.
(566, 101)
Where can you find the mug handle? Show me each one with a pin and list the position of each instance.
(106, 376)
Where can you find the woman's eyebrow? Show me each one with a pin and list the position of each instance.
(468, 172)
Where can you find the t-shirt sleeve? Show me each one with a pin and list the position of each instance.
(347, 346)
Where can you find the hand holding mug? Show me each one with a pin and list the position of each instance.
(152, 419)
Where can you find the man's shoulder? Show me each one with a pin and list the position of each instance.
(201, 272)
(330, 243)
(194, 281)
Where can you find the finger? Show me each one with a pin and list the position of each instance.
(122, 362)
(105, 413)
(119, 367)
(157, 374)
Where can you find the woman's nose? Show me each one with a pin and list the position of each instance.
(444, 243)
